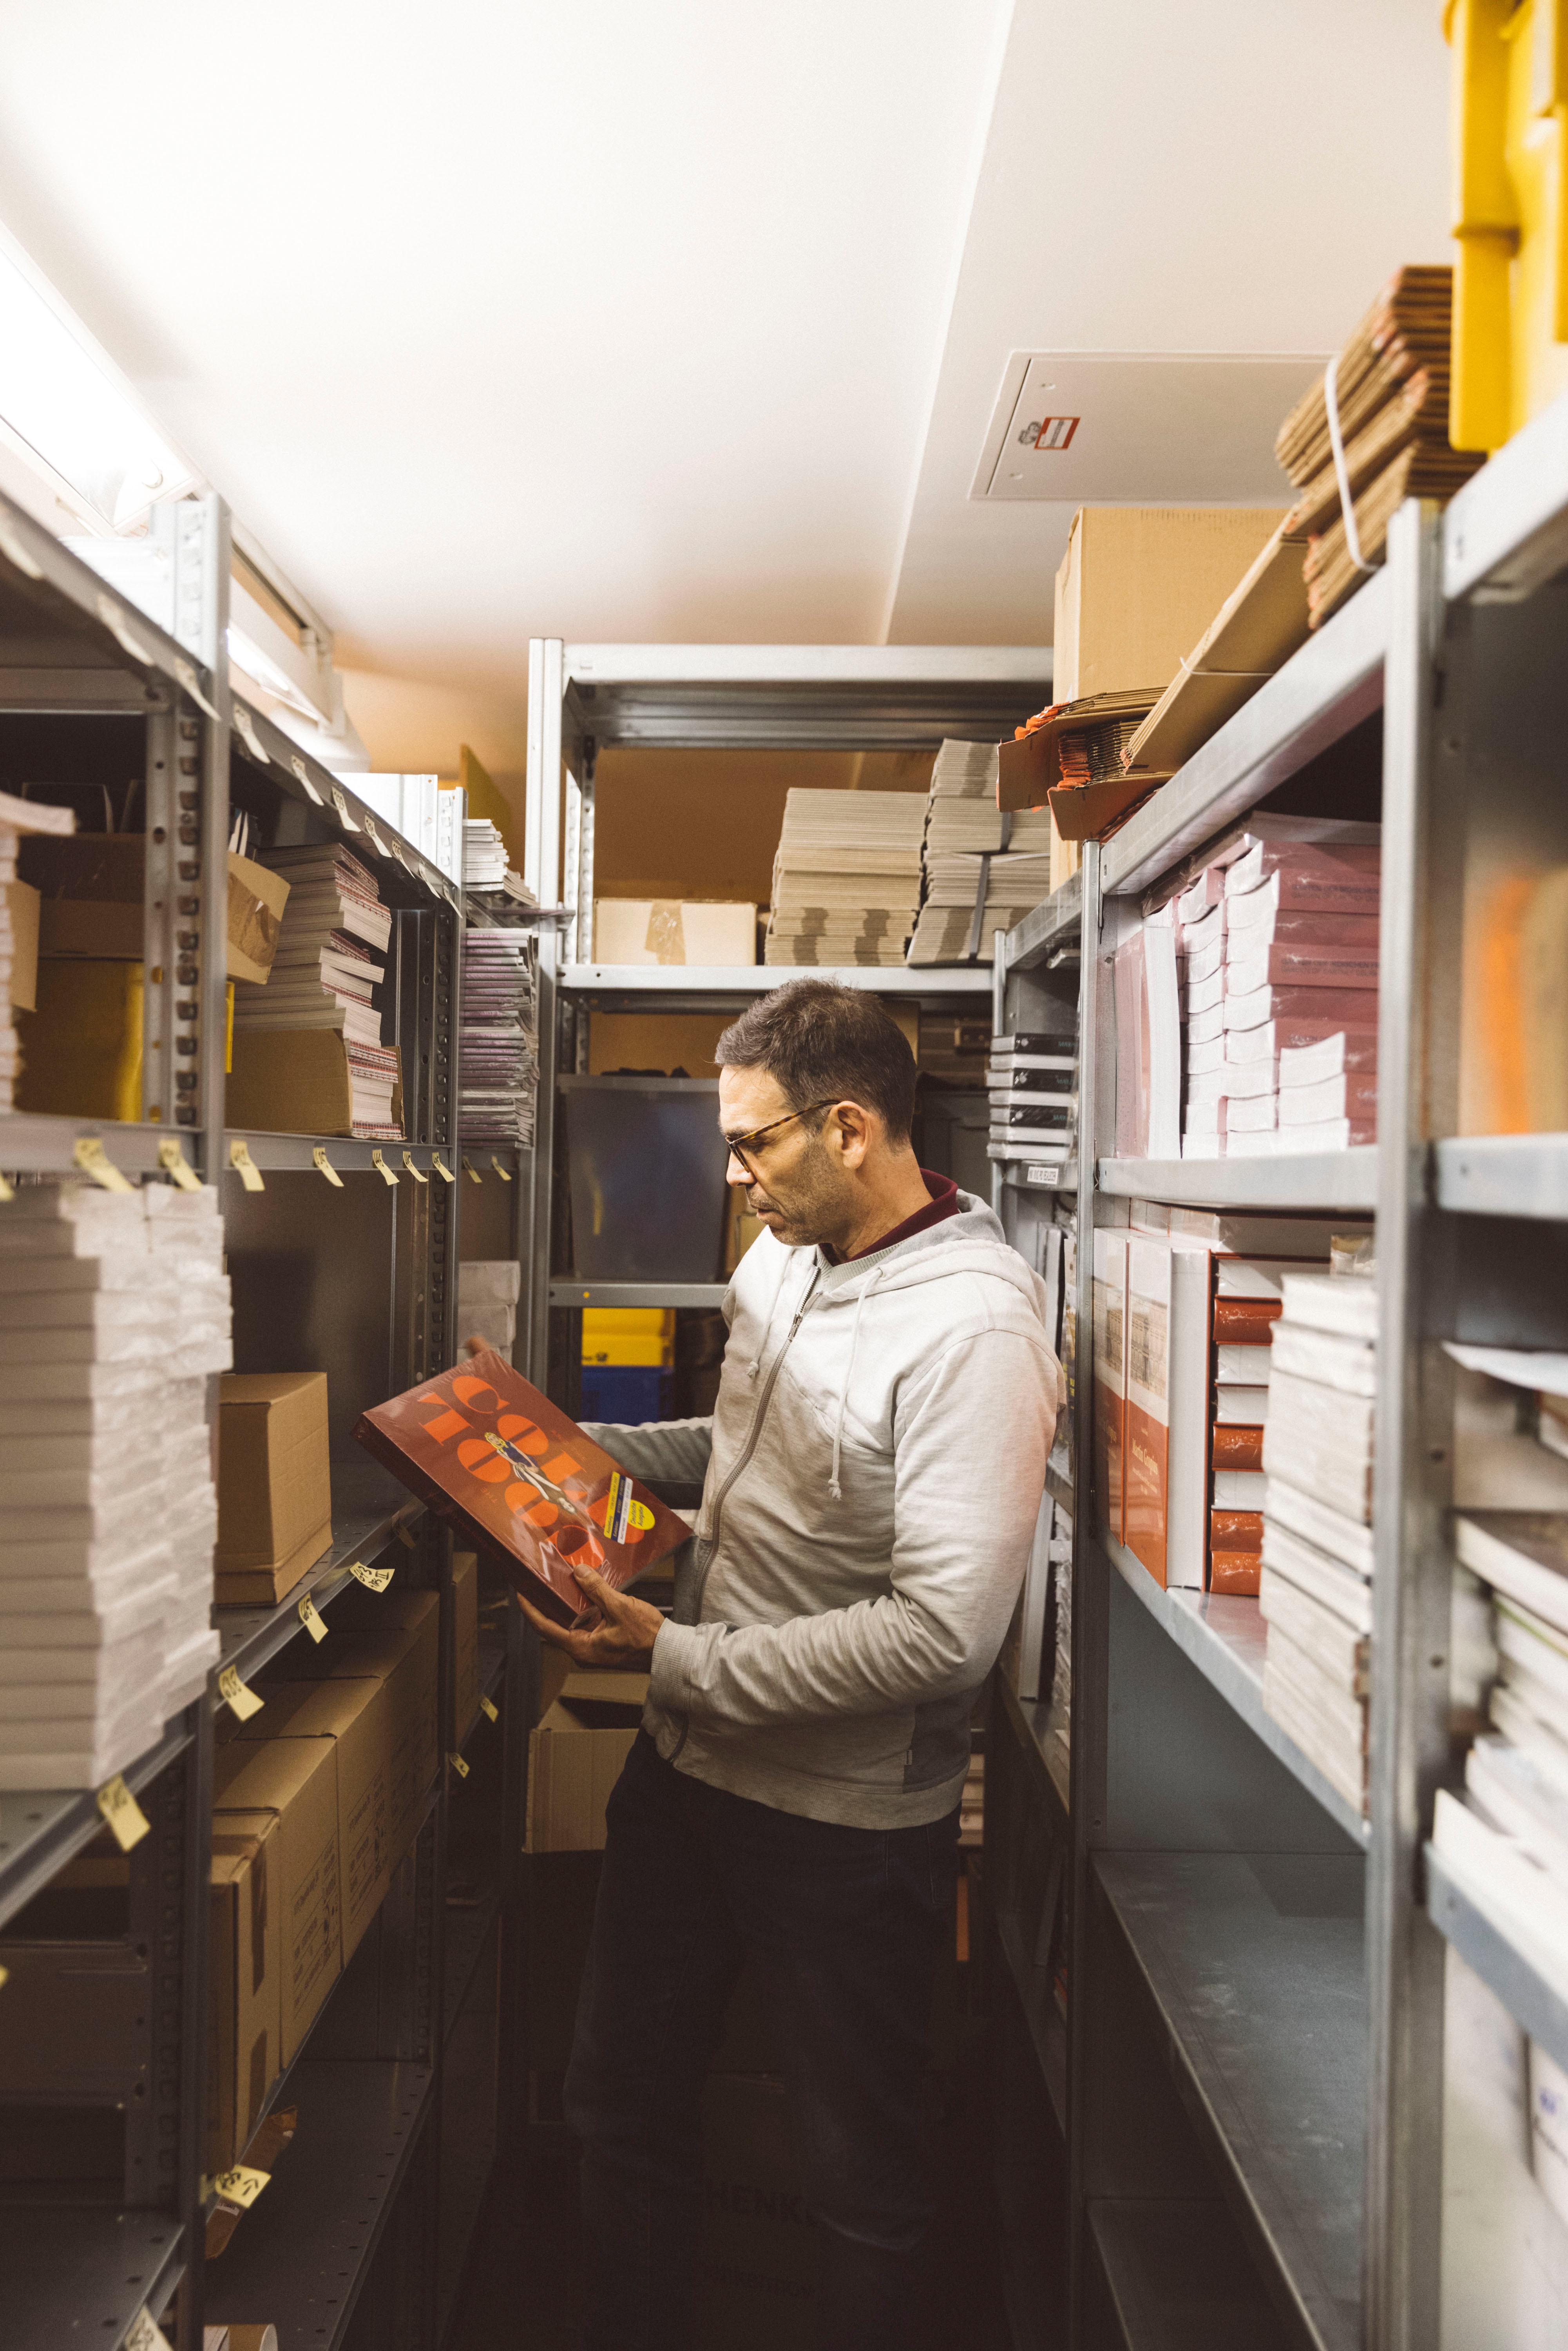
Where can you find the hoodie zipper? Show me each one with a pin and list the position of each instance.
(753, 1435)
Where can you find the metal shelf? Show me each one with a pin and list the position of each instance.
(1179, 2276)
(468, 1931)
(1327, 686)
(1050, 925)
(1506, 532)
(1030, 1719)
(564, 1292)
(286, 1154)
(1255, 1965)
(34, 1143)
(119, 639)
(1530, 1999)
(1047, 2028)
(1504, 1175)
(1224, 1639)
(742, 979)
(1333, 1180)
(40, 1834)
(302, 2253)
(368, 1506)
(82, 2272)
(305, 779)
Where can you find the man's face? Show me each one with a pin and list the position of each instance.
(796, 1182)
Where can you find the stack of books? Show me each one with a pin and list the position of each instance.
(1391, 386)
(331, 945)
(483, 855)
(114, 1312)
(1278, 943)
(1247, 1304)
(497, 1040)
(975, 860)
(1032, 1080)
(1316, 1587)
(846, 878)
(17, 817)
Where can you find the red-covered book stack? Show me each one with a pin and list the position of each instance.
(519, 1480)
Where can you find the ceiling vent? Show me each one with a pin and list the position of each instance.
(1146, 427)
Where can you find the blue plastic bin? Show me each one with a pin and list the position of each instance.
(629, 1393)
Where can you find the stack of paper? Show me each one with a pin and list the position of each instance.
(17, 817)
(1032, 1081)
(1247, 1295)
(483, 855)
(331, 947)
(1316, 1588)
(1391, 384)
(488, 1290)
(846, 878)
(1002, 889)
(114, 1312)
(497, 1038)
(1279, 937)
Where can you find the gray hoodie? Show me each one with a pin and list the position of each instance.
(871, 1475)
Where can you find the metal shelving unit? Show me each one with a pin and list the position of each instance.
(1236, 1924)
(359, 1280)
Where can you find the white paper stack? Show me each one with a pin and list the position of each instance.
(497, 1041)
(483, 855)
(488, 1290)
(17, 817)
(1316, 1584)
(1280, 933)
(331, 946)
(113, 1312)
(846, 878)
(1031, 1079)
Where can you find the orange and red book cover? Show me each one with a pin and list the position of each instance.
(519, 1480)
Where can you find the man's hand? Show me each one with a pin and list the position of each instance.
(622, 1639)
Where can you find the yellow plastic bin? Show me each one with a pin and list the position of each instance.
(81, 1048)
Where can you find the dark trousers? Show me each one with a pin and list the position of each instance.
(845, 1925)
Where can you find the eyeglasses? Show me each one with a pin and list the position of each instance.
(744, 1146)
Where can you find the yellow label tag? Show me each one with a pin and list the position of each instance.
(302, 774)
(376, 1579)
(127, 1821)
(404, 1534)
(241, 2185)
(504, 1173)
(244, 1166)
(388, 1174)
(311, 1617)
(174, 1162)
(346, 818)
(144, 2334)
(93, 1160)
(439, 1167)
(489, 1709)
(459, 1766)
(7, 1191)
(471, 1171)
(324, 1166)
(417, 1173)
(4, 1978)
(238, 1696)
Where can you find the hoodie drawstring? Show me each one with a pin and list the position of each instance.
(834, 1487)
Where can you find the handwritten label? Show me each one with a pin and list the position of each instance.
(417, 1173)
(185, 674)
(404, 1534)
(109, 614)
(459, 1766)
(244, 1166)
(128, 1823)
(240, 2185)
(375, 1579)
(439, 1167)
(246, 727)
(311, 1617)
(7, 1191)
(504, 1173)
(346, 817)
(489, 1709)
(388, 1174)
(324, 1166)
(302, 776)
(174, 1162)
(95, 1162)
(144, 2334)
(471, 1171)
(237, 1695)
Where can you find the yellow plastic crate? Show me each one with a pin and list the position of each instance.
(81, 1048)
(1511, 206)
(629, 1335)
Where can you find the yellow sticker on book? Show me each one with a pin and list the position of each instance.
(95, 1162)
(388, 1174)
(323, 1166)
(240, 2185)
(127, 1821)
(439, 1167)
(311, 1617)
(375, 1579)
(459, 1766)
(489, 1709)
(503, 1173)
(417, 1173)
(144, 2334)
(174, 1162)
(244, 1166)
(471, 1171)
(237, 1695)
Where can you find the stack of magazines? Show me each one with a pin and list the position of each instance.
(497, 1041)
(330, 959)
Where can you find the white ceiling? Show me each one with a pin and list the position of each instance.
(619, 321)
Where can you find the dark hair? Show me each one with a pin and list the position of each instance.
(826, 1043)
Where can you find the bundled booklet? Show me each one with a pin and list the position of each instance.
(330, 959)
(846, 878)
(497, 1033)
(520, 1482)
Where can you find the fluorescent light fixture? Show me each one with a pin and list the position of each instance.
(246, 655)
(64, 403)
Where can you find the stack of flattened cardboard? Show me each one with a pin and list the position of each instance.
(1391, 390)
(846, 878)
(982, 868)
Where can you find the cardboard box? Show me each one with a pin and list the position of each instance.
(257, 900)
(575, 1759)
(93, 886)
(81, 1046)
(1139, 585)
(245, 2018)
(758, 2257)
(464, 1641)
(293, 1082)
(275, 1489)
(1256, 628)
(674, 930)
(22, 903)
(296, 1779)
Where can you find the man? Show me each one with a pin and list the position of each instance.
(872, 1474)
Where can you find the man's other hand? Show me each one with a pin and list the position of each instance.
(623, 1637)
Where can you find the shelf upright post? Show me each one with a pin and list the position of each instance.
(209, 622)
(1090, 1587)
(170, 1027)
(541, 869)
(1418, 977)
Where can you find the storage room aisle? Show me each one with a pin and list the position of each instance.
(519, 537)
